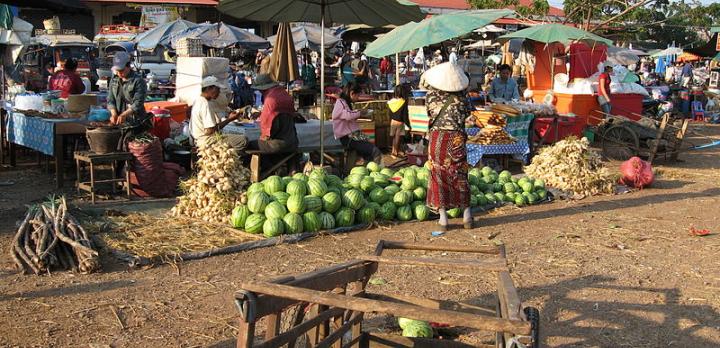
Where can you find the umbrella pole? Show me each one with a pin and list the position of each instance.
(322, 84)
(397, 70)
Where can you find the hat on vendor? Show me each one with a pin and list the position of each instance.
(263, 82)
(120, 60)
(448, 77)
(212, 81)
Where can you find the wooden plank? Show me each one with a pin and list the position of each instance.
(430, 303)
(509, 293)
(299, 330)
(491, 265)
(481, 249)
(338, 334)
(381, 340)
(273, 326)
(658, 137)
(246, 334)
(680, 136)
(372, 306)
(255, 168)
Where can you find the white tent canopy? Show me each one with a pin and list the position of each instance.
(308, 35)
(17, 38)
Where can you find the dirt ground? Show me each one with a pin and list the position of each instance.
(607, 271)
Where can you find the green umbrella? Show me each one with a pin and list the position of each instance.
(432, 30)
(551, 33)
(372, 12)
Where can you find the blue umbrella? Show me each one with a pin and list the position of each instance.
(161, 35)
(221, 35)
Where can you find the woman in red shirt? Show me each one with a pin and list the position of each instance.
(604, 91)
(67, 80)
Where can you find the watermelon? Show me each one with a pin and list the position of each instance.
(416, 203)
(486, 171)
(490, 197)
(401, 198)
(505, 175)
(381, 180)
(286, 180)
(527, 186)
(327, 221)
(387, 211)
(336, 189)
(367, 184)
(239, 216)
(499, 196)
(331, 202)
(375, 206)
(474, 190)
(373, 167)
(313, 203)
(296, 187)
(423, 174)
(419, 193)
(379, 196)
(497, 187)
(360, 170)
(422, 212)
(392, 189)
(256, 187)
(353, 199)
(532, 198)
(366, 215)
(502, 182)
(404, 213)
(317, 187)
(300, 176)
(296, 204)
(473, 180)
(318, 173)
(387, 172)
(482, 186)
(333, 180)
(539, 183)
(345, 217)
(475, 172)
(510, 197)
(473, 201)
(520, 200)
(509, 187)
(514, 180)
(355, 180)
(293, 223)
(311, 222)
(273, 184)
(418, 328)
(482, 200)
(254, 223)
(281, 197)
(273, 227)
(275, 210)
(487, 180)
(542, 194)
(454, 212)
(257, 201)
(409, 182)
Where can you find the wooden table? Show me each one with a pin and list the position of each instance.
(61, 129)
(383, 94)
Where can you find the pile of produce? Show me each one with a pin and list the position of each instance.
(539, 110)
(491, 135)
(488, 187)
(415, 328)
(50, 239)
(321, 201)
(569, 165)
(218, 186)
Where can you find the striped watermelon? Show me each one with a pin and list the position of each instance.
(360, 170)
(422, 212)
(313, 203)
(300, 176)
(317, 187)
(273, 184)
(254, 223)
(281, 197)
(345, 217)
(379, 196)
(311, 222)
(366, 215)
(239, 216)
(355, 180)
(367, 184)
(401, 198)
(404, 213)
(293, 223)
(273, 227)
(333, 180)
(331, 202)
(387, 172)
(296, 187)
(392, 189)
(327, 221)
(275, 210)
(296, 204)
(256, 187)
(387, 211)
(257, 201)
(353, 199)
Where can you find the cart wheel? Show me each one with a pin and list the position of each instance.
(533, 316)
(620, 143)
(288, 321)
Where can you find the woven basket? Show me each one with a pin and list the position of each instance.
(187, 47)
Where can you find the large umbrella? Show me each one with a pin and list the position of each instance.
(621, 56)
(552, 33)
(670, 51)
(432, 30)
(372, 12)
(161, 35)
(221, 35)
(283, 62)
(308, 35)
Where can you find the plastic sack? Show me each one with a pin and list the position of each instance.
(150, 176)
(636, 173)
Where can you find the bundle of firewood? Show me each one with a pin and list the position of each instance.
(491, 136)
(487, 118)
(50, 239)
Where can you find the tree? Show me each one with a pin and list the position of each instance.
(536, 8)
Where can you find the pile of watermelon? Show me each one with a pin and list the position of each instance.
(489, 187)
(322, 201)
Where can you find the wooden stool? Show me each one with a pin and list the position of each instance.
(256, 172)
(93, 160)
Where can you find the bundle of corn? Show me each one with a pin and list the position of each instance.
(51, 239)
(491, 135)
(218, 186)
(571, 166)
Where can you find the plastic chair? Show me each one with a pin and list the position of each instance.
(698, 111)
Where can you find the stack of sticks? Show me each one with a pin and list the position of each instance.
(50, 239)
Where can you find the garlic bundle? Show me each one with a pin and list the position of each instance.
(218, 186)
(571, 166)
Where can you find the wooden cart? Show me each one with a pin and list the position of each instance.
(622, 138)
(325, 308)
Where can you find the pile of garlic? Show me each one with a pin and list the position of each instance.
(218, 186)
(571, 166)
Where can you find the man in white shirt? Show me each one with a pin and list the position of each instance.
(204, 122)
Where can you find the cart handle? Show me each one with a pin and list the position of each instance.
(481, 249)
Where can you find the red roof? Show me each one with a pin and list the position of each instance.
(464, 5)
(172, 2)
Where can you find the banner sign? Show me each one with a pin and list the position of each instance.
(153, 16)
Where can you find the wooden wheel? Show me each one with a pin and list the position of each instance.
(620, 143)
